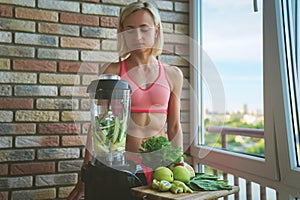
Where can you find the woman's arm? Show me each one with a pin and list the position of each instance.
(174, 126)
(78, 191)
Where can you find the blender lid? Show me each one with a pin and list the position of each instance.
(109, 76)
(108, 85)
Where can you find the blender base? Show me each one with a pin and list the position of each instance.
(106, 183)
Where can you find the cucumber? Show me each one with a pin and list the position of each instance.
(116, 130)
(122, 132)
(100, 148)
(103, 135)
(118, 146)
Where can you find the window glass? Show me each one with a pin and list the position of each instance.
(292, 36)
(297, 33)
(232, 39)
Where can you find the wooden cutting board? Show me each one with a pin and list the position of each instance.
(149, 194)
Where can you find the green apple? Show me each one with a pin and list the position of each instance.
(182, 174)
(163, 173)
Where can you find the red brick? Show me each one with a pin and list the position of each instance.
(24, 128)
(81, 43)
(59, 128)
(5, 11)
(4, 195)
(49, 28)
(16, 103)
(73, 140)
(86, 20)
(34, 65)
(29, 13)
(49, 141)
(111, 22)
(86, 127)
(60, 29)
(33, 168)
(3, 170)
(20, 128)
(78, 67)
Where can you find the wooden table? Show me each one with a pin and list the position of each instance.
(147, 193)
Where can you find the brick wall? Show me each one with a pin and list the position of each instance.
(50, 50)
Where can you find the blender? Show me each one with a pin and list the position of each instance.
(109, 175)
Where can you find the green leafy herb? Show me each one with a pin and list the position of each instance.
(160, 152)
(205, 176)
(203, 181)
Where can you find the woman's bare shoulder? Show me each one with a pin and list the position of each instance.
(174, 75)
(173, 72)
(110, 68)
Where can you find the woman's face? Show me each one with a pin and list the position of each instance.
(139, 31)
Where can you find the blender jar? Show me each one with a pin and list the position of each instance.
(110, 108)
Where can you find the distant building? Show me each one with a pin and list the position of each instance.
(243, 114)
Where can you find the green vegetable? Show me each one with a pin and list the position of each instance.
(155, 184)
(118, 146)
(110, 133)
(116, 130)
(206, 176)
(160, 151)
(183, 186)
(100, 147)
(122, 133)
(175, 189)
(203, 182)
(164, 186)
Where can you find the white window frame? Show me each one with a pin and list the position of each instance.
(288, 165)
(275, 170)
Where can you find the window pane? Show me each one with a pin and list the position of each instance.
(232, 39)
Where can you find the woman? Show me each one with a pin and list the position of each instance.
(156, 87)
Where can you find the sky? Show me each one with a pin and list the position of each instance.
(232, 40)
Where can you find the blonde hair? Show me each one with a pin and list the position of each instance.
(131, 8)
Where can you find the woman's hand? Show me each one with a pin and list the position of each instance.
(77, 192)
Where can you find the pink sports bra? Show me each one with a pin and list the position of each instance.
(154, 98)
